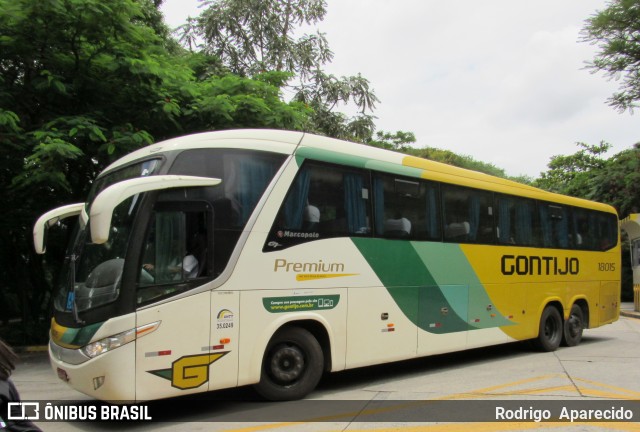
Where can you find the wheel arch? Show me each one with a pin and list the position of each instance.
(313, 323)
(583, 303)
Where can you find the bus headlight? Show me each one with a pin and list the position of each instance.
(96, 348)
(109, 343)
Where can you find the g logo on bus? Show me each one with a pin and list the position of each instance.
(189, 372)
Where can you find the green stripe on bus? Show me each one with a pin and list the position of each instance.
(356, 161)
(398, 266)
(432, 283)
(80, 337)
(449, 266)
(332, 157)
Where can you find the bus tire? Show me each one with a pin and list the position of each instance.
(292, 365)
(573, 327)
(551, 330)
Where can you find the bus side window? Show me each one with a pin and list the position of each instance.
(515, 220)
(607, 231)
(554, 224)
(583, 223)
(323, 202)
(467, 214)
(176, 251)
(405, 208)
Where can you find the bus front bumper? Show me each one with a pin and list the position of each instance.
(109, 376)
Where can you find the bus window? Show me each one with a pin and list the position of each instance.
(584, 229)
(607, 231)
(245, 176)
(467, 214)
(322, 202)
(515, 220)
(405, 208)
(554, 225)
(175, 252)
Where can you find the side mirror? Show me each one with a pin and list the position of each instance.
(102, 208)
(51, 218)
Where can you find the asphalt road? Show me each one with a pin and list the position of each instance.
(604, 369)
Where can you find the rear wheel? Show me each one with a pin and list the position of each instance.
(551, 330)
(573, 327)
(292, 365)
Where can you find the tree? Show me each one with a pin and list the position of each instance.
(618, 182)
(254, 36)
(83, 82)
(399, 141)
(574, 174)
(615, 30)
(587, 174)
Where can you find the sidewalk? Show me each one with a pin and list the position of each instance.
(626, 309)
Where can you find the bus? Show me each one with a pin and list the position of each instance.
(267, 258)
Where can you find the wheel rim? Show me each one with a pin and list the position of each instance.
(551, 328)
(574, 325)
(287, 364)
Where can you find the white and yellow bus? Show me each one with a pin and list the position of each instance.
(267, 257)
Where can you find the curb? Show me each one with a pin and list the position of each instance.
(630, 314)
(31, 349)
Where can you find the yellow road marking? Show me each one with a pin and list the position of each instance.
(622, 392)
(487, 392)
(506, 426)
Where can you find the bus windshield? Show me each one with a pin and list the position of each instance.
(92, 272)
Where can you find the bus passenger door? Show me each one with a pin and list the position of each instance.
(224, 342)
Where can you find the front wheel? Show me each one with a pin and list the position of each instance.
(551, 330)
(292, 365)
(574, 326)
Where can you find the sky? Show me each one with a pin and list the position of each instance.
(503, 81)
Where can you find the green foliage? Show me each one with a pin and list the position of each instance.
(467, 162)
(587, 174)
(402, 141)
(446, 156)
(574, 174)
(618, 182)
(233, 101)
(83, 82)
(615, 181)
(254, 36)
(9, 121)
(399, 141)
(615, 31)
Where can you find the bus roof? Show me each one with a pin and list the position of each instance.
(305, 145)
